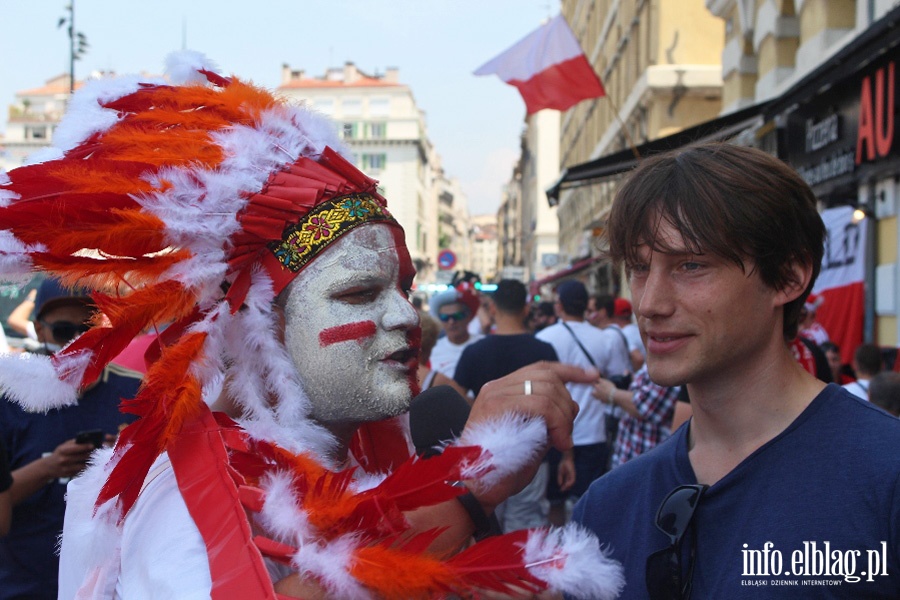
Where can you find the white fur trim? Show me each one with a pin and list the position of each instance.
(85, 116)
(182, 67)
(511, 442)
(92, 539)
(281, 516)
(18, 374)
(329, 564)
(570, 560)
(15, 259)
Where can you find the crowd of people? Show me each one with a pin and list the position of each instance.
(298, 428)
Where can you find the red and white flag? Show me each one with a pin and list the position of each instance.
(549, 68)
(841, 283)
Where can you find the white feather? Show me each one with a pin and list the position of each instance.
(510, 442)
(330, 563)
(85, 114)
(15, 260)
(182, 67)
(281, 516)
(92, 537)
(18, 374)
(570, 560)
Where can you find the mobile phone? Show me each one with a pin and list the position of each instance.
(91, 436)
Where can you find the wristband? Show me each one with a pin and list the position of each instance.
(482, 522)
(612, 393)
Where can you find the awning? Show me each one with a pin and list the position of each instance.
(721, 128)
(576, 267)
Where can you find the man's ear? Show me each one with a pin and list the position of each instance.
(801, 275)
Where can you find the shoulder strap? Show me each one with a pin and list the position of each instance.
(621, 334)
(577, 341)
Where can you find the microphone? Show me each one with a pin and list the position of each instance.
(437, 415)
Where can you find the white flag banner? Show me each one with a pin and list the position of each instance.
(845, 250)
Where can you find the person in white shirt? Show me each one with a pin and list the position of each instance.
(455, 308)
(866, 363)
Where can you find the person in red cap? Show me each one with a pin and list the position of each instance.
(623, 319)
(810, 328)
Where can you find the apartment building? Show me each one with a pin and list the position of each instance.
(387, 133)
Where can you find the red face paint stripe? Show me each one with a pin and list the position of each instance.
(345, 333)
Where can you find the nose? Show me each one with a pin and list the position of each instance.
(400, 313)
(652, 293)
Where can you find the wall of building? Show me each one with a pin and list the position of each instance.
(659, 61)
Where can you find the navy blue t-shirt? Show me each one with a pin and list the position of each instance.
(829, 485)
(496, 356)
(29, 565)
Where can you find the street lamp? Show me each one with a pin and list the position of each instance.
(78, 43)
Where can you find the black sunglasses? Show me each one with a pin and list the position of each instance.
(674, 517)
(63, 331)
(457, 316)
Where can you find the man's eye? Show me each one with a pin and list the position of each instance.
(359, 296)
(691, 266)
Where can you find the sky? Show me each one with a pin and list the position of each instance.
(473, 122)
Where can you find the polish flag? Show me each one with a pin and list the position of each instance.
(841, 283)
(549, 68)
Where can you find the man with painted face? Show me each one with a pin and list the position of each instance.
(270, 455)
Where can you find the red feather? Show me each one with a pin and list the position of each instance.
(496, 563)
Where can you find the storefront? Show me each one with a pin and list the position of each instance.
(838, 128)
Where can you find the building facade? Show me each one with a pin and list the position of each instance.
(32, 119)
(659, 61)
(484, 247)
(826, 70)
(386, 131)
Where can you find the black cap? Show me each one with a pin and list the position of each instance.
(52, 293)
(573, 296)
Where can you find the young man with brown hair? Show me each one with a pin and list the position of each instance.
(779, 480)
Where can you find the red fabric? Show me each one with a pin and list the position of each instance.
(560, 86)
(132, 357)
(842, 314)
(200, 461)
(381, 446)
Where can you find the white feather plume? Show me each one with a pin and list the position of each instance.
(570, 560)
(328, 563)
(15, 263)
(182, 67)
(511, 442)
(92, 537)
(280, 517)
(18, 374)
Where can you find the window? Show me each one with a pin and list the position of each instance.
(373, 162)
(349, 131)
(377, 131)
(38, 132)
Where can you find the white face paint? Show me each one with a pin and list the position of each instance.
(351, 331)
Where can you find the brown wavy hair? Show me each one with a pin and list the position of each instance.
(735, 202)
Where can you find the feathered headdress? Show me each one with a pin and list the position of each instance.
(188, 205)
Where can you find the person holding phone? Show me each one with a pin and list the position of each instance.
(47, 449)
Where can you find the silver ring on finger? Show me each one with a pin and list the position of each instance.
(527, 387)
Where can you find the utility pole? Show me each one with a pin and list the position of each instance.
(78, 43)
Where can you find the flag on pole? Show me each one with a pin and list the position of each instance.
(548, 67)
